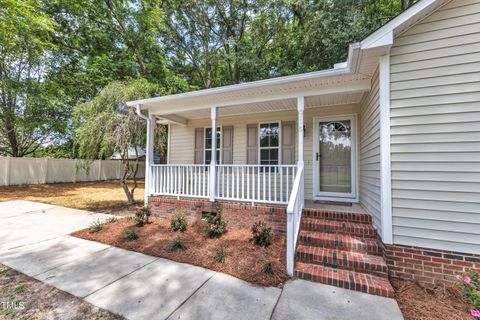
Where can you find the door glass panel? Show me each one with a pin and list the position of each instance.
(335, 156)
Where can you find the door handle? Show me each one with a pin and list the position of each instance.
(318, 156)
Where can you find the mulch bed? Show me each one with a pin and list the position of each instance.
(444, 302)
(244, 259)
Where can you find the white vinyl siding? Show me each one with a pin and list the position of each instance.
(435, 134)
(182, 137)
(369, 153)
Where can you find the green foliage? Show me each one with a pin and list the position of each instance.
(111, 219)
(142, 215)
(267, 267)
(19, 288)
(220, 255)
(179, 221)
(262, 234)
(176, 244)
(216, 225)
(95, 226)
(129, 235)
(470, 284)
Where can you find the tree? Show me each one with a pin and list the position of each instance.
(30, 112)
(106, 125)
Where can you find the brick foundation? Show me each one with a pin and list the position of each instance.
(241, 215)
(427, 266)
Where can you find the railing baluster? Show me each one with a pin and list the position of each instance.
(264, 184)
(243, 183)
(275, 184)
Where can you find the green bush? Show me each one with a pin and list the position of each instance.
(95, 226)
(262, 234)
(111, 219)
(142, 215)
(176, 244)
(220, 255)
(216, 225)
(179, 221)
(130, 235)
(470, 284)
(267, 267)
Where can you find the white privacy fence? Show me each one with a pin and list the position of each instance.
(20, 171)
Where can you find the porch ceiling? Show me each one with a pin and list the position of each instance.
(272, 106)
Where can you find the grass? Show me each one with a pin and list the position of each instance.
(100, 196)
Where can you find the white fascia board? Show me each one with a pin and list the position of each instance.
(357, 86)
(384, 35)
(173, 118)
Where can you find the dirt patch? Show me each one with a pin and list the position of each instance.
(22, 297)
(243, 260)
(419, 303)
(99, 196)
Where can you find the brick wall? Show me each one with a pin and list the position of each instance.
(241, 215)
(427, 266)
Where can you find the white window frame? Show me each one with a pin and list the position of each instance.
(220, 159)
(336, 196)
(279, 141)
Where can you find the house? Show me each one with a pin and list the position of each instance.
(394, 131)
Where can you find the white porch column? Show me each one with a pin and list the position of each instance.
(149, 157)
(213, 162)
(300, 108)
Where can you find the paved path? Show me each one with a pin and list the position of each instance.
(34, 239)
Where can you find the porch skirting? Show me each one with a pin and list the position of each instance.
(237, 214)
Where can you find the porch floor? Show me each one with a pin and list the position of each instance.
(354, 208)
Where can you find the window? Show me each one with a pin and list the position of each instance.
(208, 145)
(269, 136)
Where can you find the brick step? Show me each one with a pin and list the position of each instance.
(340, 242)
(331, 226)
(337, 215)
(341, 259)
(344, 279)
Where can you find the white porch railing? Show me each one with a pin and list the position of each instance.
(252, 183)
(188, 180)
(255, 183)
(294, 217)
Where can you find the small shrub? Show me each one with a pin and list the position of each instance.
(95, 226)
(267, 267)
(176, 244)
(262, 234)
(216, 225)
(220, 255)
(111, 219)
(470, 284)
(130, 235)
(179, 221)
(142, 215)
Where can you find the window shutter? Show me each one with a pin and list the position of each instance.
(252, 143)
(199, 143)
(288, 142)
(227, 145)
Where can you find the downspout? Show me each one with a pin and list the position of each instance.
(148, 153)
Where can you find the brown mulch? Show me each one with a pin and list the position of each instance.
(444, 302)
(22, 297)
(244, 259)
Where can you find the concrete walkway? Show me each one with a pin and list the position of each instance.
(35, 241)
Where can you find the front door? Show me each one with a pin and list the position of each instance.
(335, 158)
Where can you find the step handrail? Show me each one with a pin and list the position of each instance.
(294, 216)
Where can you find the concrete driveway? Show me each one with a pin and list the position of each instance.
(35, 240)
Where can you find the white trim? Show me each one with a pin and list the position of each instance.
(168, 142)
(221, 143)
(173, 118)
(333, 196)
(385, 152)
(279, 140)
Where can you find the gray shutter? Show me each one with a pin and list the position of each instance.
(252, 143)
(199, 143)
(288, 142)
(227, 145)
